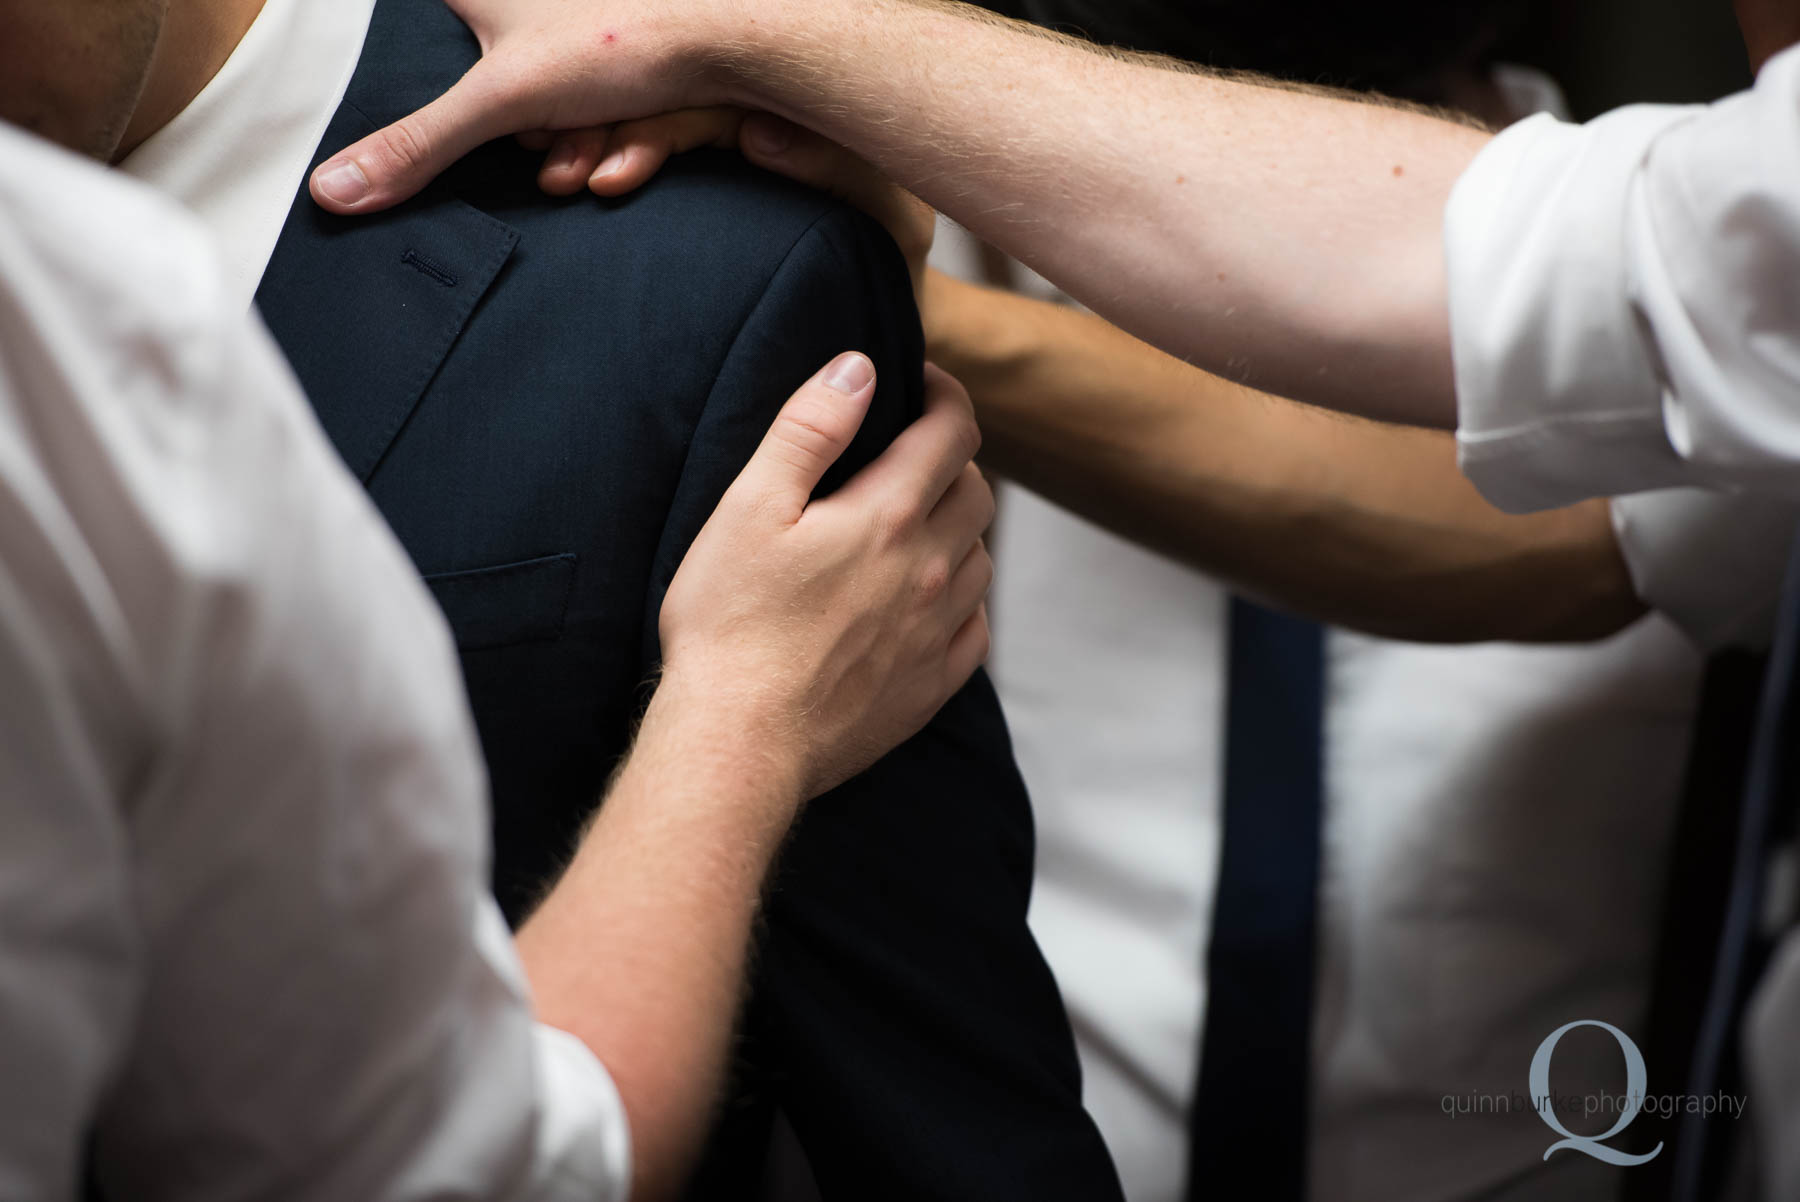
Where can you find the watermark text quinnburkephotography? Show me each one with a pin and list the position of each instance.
(1554, 1108)
(1569, 1105)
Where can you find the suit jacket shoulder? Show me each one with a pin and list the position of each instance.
(546, 396)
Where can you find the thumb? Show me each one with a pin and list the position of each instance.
(811, 431)
(395, 163)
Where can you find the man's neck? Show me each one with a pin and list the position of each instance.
(197, 39)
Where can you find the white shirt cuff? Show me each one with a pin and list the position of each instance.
(1558, 396)
(580, 1149)
(584, 1131)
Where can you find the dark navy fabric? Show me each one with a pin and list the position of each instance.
(1766, 821)
(1251, 1104)
(1702, 863)
(546, 399)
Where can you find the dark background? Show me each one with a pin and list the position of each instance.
(1603, 52)
(1611, 52)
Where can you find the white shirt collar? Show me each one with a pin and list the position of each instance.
(236, 155)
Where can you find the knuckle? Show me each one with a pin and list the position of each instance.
(984, 569)
(958, 437)
(405, 145)
(952, 389)
(970, 433)
(982, 640)
(810, 426)
(985, 506)
(933, 582)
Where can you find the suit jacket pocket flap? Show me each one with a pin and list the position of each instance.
(513, 603)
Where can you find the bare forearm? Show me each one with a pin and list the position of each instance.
(1360, 524)
(1287, 238)
(640, 949)
(1276, 235)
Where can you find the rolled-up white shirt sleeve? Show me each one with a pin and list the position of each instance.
(1622, 304)
(581, 1141)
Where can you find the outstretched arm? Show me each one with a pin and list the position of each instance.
(1278, 236)
(1361, 524)
(1285, 237)
(1604, 277)
(1353, 522)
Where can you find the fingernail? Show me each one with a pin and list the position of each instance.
(770, 135)
(562, 159)
(343, 182)
(609, 165)
(849, 373)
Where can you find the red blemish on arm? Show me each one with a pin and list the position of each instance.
(1399, 171)
(1181, 179)
(610, 38)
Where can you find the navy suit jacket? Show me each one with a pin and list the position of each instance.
(546, 399)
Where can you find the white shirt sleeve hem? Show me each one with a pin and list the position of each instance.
(1557, 393)
(584, 1131)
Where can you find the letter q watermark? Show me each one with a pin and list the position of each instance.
(1636, 1077)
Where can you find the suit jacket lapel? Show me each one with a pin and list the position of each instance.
(368, 308)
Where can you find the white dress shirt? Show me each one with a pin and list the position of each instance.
(1622, 300)
(1496, 827)
(1625, 315)
(237, 154)
(247, 946)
